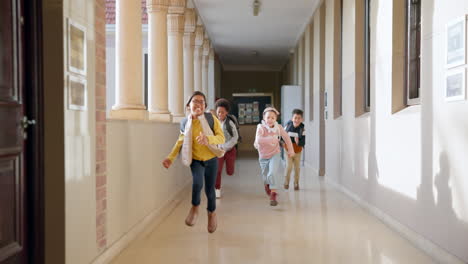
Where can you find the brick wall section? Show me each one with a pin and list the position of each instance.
(100, 96)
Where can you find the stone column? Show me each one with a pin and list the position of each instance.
(129, 83)
(157, 60)
(211, 78)
(189, 42)
(205, 57)
(197, 59)
(175, 28)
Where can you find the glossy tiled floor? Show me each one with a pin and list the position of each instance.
(317, 224)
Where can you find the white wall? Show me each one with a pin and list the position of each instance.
(80, 180)
(411, 165)
(333, 128)
(137, 183)
(312, 149)
(448, 170)
(291, 98)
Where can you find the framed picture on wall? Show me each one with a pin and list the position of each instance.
(77, 93)
(456, 42)
(76, 48)
(455, 85)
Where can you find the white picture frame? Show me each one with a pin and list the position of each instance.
(455, 40)
(76, 49)
(455, 85)
(77, 93)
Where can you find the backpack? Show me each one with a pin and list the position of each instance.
(209, 119)
(236, 124)
(187, 153)
(290, 124)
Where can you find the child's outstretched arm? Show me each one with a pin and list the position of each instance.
(287, 139)
(175, 150)
(235, 137)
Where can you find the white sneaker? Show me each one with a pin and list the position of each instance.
(218, 193)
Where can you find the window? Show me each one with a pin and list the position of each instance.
(338, 60)
(303, 73)
(311, 73)
(145, 79)
(367, 55)
(341, 60)
(413, 51)
(362, 91)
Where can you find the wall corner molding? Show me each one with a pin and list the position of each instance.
(434, 251)
(144, 227)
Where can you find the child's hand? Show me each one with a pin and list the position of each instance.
(291, 154)
(202, 139)
(167, 163)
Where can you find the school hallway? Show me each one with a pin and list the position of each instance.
(317, 224)
(93, 95)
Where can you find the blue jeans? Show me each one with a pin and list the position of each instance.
(204, 169)
(272, 171)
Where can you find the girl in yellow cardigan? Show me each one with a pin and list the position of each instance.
(199, 136)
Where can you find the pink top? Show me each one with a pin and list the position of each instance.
(267, 140)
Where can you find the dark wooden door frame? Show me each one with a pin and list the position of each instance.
(34, 152)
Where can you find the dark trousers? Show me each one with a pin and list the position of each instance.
(204, 169)
(230, 158)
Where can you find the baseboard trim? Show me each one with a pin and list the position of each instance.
(436, 252)
(144, 227)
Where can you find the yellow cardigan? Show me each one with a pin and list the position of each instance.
(199, 152)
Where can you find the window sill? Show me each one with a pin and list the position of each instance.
(409, 109)
(412, 102)
(364, 115)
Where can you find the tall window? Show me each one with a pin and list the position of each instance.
(311, 72)
(338, 60)
(413, 51)
(367, 54)
(341, 59)
(145, 79)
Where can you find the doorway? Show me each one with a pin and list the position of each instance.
(21, 177)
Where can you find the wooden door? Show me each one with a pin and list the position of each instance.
(13, 207)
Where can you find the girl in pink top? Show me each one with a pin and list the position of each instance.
(267, 143)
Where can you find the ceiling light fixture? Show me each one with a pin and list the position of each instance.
(256, 7)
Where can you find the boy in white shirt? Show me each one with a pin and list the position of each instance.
(231, 135)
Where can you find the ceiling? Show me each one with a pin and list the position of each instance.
(236, 34)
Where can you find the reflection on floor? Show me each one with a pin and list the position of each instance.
(316, 224)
